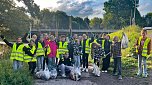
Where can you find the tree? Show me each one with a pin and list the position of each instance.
(95, 23)
(118, 13)
(13, 19)
(32, 8)
(87, 21)
(148, 19)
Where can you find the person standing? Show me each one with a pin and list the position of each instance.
(17, 54)
(30, 56)
(116, 52)
(52, 55)
(40, 53)
(80, 49)
(46, 49)
(62, 47)
(86, 51)
(107, 50)
(143, 45)
(76, 54)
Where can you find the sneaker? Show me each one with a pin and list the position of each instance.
(106, 71)
(63, 75)
(120, 77)
(98, 75)
(115, 74)
(83, 69)
(86, 69)
(145, 76)
(139, 75)
(103, 71)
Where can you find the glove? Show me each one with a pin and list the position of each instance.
(2, 36)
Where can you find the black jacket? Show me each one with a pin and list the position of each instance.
(65, 61)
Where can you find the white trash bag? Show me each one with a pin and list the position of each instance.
(96, 70)
(124, 42)
(45, 75)
(75, 74)
(53, 73)
(39, 74)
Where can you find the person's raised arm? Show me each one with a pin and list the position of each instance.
(8, 43)
(27, 38)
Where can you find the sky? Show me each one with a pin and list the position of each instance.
(86, 8)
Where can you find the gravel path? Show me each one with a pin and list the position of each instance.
(105, 79)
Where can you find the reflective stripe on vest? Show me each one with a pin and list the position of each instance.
(40, 50)
(28, 58)
(103, 44)
(87, 48)
(17, 53)
(48, 49)
(62, 48)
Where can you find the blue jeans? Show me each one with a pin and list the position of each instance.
(40, 62)
(142, 70)
(17, 64)
(51, 63)
(65, 68)
(117, 65)
(76, 61)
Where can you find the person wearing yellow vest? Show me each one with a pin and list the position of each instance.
(17, 54)
(46, 49)
(86, 50)
(62, 47)
(40, 53)
(30, 56)
(143, 45)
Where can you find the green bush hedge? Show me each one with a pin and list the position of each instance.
(10, 77)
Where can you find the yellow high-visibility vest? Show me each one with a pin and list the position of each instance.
(63, 48)
(88, 46)
(40, 50)
(145, 46)
(17, 54)
(28, 58)
(48, 49)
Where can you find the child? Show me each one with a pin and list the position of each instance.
(76, 54)
(30, 57)
(65, 64)
(143, 45)
(52, 54)
(116, 52)
(97, 52)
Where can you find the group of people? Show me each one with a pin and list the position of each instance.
(64, 53)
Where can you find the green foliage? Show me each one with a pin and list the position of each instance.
(119, 12)
(33, 8)
(13, 19)
(11, 77)
(129, 64)
(95, 23)
(148, 19)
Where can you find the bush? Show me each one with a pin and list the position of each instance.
(129, 64)
(10, 77)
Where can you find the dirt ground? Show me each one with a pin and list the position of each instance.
(104, 79)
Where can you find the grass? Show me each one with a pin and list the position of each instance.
(130, 64)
